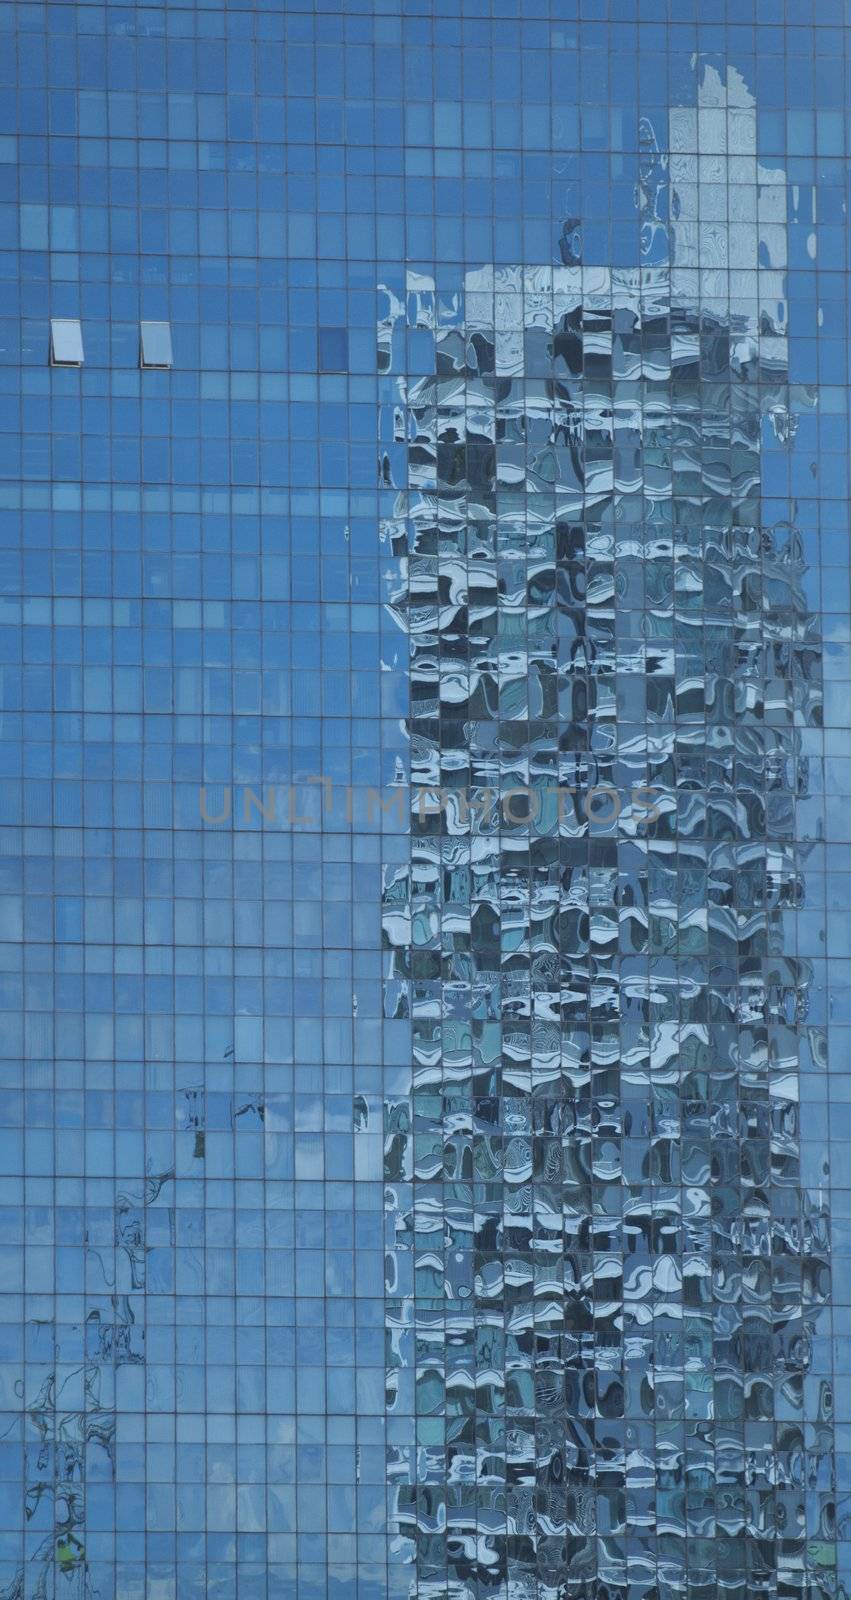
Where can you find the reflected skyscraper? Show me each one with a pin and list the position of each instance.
(605, 1274)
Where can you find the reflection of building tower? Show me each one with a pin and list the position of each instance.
(604, 1273)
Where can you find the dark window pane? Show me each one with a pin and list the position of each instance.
(333, 349)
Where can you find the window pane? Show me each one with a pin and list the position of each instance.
(66, 342)
(333, 350)
(156, 344)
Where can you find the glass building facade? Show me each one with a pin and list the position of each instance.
(425, 905)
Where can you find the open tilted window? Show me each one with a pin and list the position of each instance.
(155, 345)
(66, 342)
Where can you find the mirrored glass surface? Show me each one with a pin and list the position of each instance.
(425, 670)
